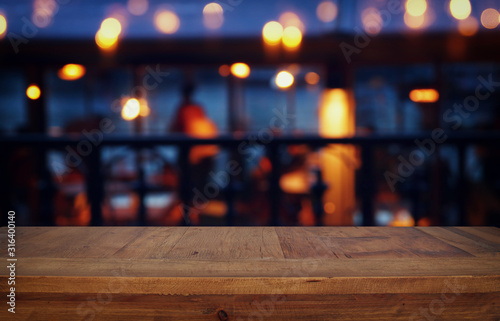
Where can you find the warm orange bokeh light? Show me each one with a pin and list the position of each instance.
(416, 8)
(3, 25)
(272, 32)
(414, 22)
(460, 9)
(224, 70)
(292, 37)
(490, 18)
(137, 7)
(167, 21)
(327, 11)
(131, 109)
(213, 15)
(240, 70)
(284, 79)
(71, 72)
(468, 27)
(33, 92)
(312, 78)
(424, 95)
(144, 109)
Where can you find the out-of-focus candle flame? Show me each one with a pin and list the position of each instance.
(33, 92)
(131, 109)
(240, 70)
(284, 79)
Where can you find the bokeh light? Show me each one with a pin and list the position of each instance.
(272, 32)
(43, 11)
(372, 20)
(460, 9)
(290, 19)
(468, 27)
(312, 78)
(71, 72)
(416, 8)
(33, 92)
(107, 36)
(167, 21)
(240, 70)
(284, 79)
(224, 70)
(424, 95)
(137, 7)
(144, 109)
(490, 18)
(414, 22)
(213, 15)
(131, 109)
(292, 37)
(3, 25)
(327, 11)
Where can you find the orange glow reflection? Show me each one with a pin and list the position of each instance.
(424, 95)
(312, 78)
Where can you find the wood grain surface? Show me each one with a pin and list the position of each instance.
(255, 273)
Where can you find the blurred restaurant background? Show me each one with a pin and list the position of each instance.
(239, 112)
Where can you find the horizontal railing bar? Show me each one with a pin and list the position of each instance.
(231, 141)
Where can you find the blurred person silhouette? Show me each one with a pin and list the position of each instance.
(191, 120)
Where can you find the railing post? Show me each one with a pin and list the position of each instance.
(185, 183)
(95, 186)
(462, 186)
(368, 186)
(274, 184)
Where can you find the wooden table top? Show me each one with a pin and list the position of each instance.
(255, 273)
(400, 259)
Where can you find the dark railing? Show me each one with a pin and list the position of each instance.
(95, 178)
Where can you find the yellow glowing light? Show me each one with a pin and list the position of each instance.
(131, 109)
(416, 8)
(224, 70)
(213, 15)
(167, 21)
(33, 92)
(460, 9)
(290, 19)
(312, 78)
(490, 18)
(71, 72)
(144, 108)
(284, 79)
(292, 37)
(111, 28)
(272, 32)
(468, 27)
(414, 22)
(424, 95)
(372, 20)
(105, 42)
(3, 26)
(327, 11)
(334, 113)
(240, 70)
(137, 7)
